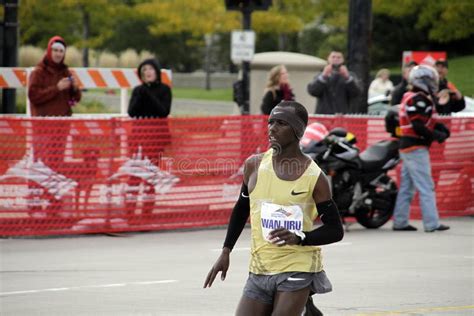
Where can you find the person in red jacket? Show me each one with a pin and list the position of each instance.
(418, 130)
(52, 91)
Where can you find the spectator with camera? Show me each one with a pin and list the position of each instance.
(334, 87)
(450, 99)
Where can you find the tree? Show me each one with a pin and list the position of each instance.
(444, 21)
(210, 16)
(83, 23)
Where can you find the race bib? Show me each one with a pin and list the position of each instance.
(274, 216)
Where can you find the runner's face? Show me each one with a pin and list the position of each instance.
(280, 133)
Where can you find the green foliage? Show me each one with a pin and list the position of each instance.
(443, 20)
(173, 30)
(209, 16)
(42, 19)
(311, 39)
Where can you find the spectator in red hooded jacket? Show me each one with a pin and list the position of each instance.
(52, 89)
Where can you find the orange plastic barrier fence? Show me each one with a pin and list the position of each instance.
(70, 176)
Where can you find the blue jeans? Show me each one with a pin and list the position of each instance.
(416, 174)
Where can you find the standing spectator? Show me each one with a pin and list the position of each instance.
(418, 130)
(277, 89)
(450, 99)
(283, 191)
(335, 87)
(52, 91)
(381, 85)
(402, 87)
(150, 104)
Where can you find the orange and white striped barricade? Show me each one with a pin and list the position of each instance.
(12, 77)
(122, 78)
(89, 78)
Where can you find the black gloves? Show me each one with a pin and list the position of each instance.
(440, 132)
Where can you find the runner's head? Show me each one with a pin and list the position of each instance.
(294, 114)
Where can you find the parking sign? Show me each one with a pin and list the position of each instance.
(243, 46)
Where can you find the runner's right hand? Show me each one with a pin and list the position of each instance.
(222, 264)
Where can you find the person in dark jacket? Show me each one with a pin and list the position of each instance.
(450, 99)
(152, 98)
(277, 89)
(150, 105)
(335, 87)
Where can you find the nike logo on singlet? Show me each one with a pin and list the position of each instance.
(297, 193)
(244, 196)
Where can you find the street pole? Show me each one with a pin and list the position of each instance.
(359, 42)
(10, 50)
(246, 23)
(208, 39)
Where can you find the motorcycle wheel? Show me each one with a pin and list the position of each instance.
(377, 213)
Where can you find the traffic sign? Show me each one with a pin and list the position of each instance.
(242, 46)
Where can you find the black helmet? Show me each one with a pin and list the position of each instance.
(425, 78)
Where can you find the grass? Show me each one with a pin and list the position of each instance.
(202, 94)
(187, 93)
(461, 74)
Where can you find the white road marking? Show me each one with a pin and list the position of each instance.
(86, 287)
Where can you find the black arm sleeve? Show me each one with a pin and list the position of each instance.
(238, 218)
(331, 230)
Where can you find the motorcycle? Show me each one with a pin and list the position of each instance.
(360, 182)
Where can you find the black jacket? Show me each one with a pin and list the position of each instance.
(270, 100)
(150, 99)
(453, 105)
(398, 92)
(334, 93)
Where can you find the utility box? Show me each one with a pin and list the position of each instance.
(301, 69)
